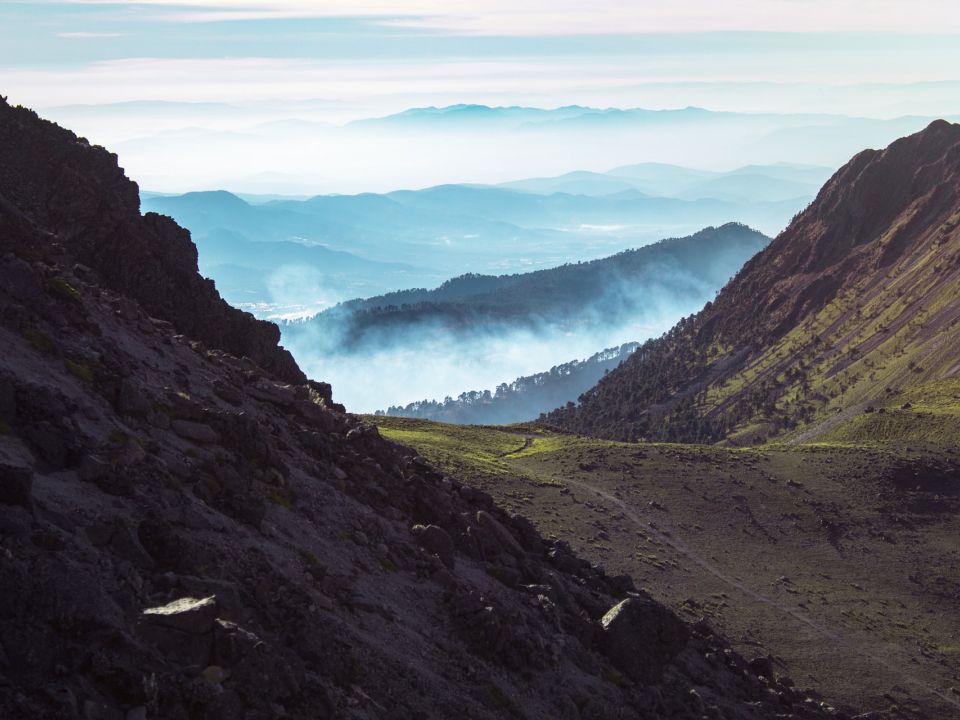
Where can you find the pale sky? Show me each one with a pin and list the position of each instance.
(241, 93)
(384, 55)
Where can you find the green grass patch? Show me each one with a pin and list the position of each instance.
(60, 287)
(278, 497)
(80, 371)
(38, 340)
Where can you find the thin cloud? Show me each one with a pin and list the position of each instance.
(572, 17)
(84, 35)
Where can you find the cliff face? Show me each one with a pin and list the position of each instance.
(187, 534)
(866, 275)
(77, 193)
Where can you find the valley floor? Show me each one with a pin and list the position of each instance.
(841, 561)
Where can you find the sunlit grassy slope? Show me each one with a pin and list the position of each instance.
(839, 558)
(882, 340)
(855, 303)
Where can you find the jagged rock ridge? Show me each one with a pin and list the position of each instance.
(53, 182)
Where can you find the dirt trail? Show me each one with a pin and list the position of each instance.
(527, 443)
(856, 645)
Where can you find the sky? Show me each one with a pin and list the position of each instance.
(242, 94)
(374, 56)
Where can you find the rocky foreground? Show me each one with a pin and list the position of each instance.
(190, 533)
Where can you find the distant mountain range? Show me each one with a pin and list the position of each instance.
(848, 320)
(172, 146)
(522, 399)
(676, 272)
(768, 183)
(363, 245)
(468, 116)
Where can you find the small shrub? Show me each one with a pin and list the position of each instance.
(309, 558)
(39, 341)
(276, 496)
(59, 286)
(81, 372)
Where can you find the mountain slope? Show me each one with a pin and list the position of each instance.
(675, 272)
(856, 299)
(185, 534)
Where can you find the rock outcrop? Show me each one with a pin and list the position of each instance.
(185, 533)
(57, 184)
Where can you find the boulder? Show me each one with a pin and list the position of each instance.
(226, 392)
(436, 540)
(493, 533)
(280, 395)
(190, 615)
(195, 432)
(641, 637)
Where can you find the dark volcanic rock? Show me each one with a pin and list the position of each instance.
(16, 483)
(55, 183)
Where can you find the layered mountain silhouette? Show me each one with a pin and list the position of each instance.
(673, 272)
(368, 244)
(521, 400)
(851, 306)
(190, 529)
(767, 183)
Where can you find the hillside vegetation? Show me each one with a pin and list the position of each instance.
(857, 302)
(523, 399)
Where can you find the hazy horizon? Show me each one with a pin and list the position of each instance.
(252, 96)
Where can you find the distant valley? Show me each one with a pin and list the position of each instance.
(477, 332)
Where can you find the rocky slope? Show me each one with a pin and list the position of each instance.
(190, 534)
(855, 301)
(58, 185)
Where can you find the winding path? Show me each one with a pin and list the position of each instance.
(680, 547)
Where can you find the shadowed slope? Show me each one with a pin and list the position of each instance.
(78, 192)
